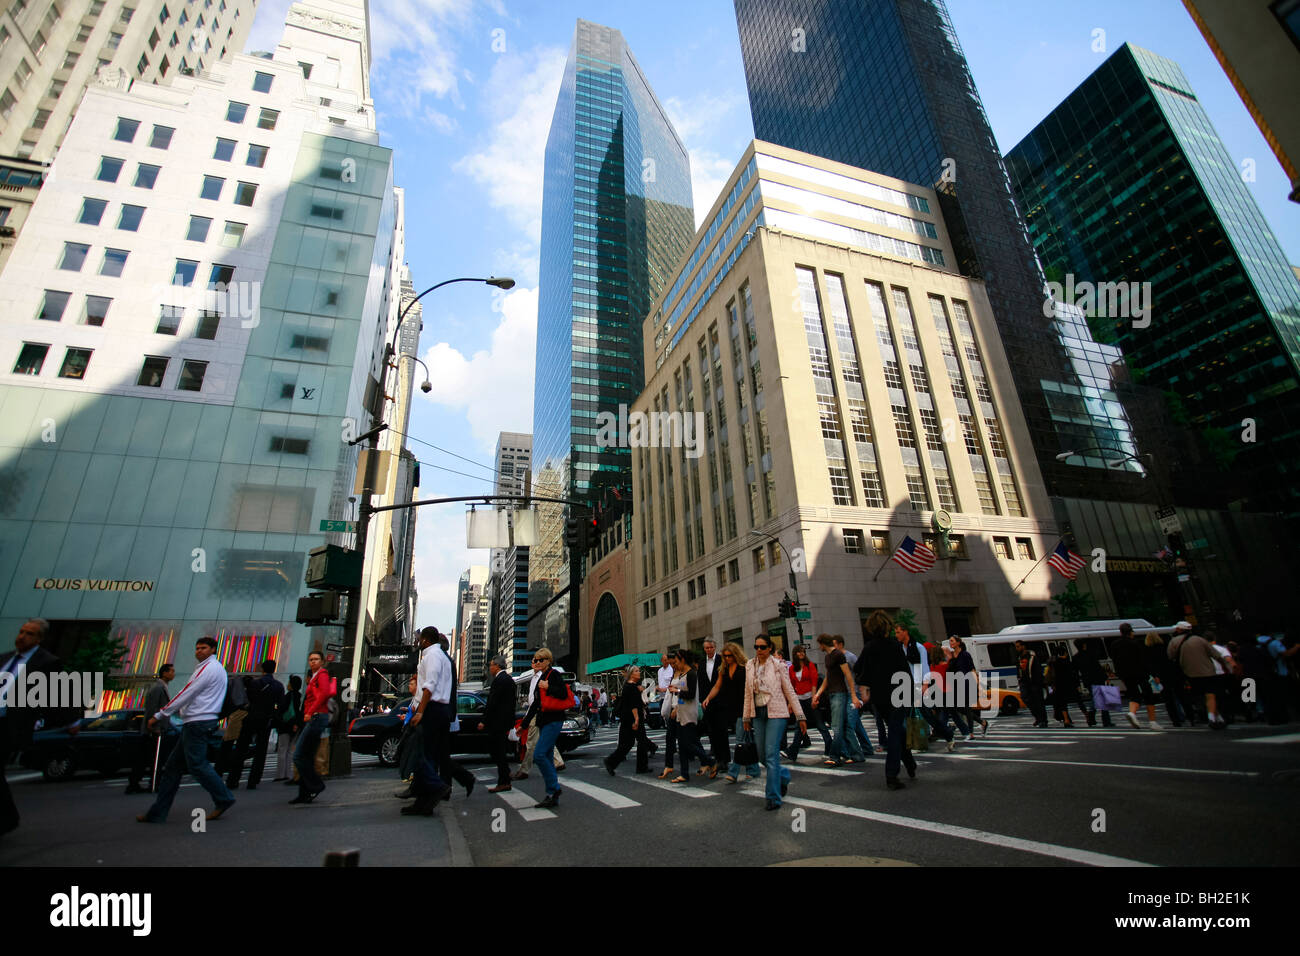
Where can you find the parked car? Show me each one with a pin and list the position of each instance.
(107, 744)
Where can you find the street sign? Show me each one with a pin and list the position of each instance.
(338, 527)
(1169, 523)
(804, 615)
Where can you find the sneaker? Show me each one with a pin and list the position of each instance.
(1132, 719)
(970, 737)
(984, 727)
(1154, 726)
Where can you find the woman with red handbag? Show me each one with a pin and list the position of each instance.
(553, 698)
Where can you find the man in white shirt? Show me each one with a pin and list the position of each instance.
(434, 711)
(198, 705)
(715, 721)
(666, 702)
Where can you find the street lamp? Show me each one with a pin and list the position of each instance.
(794, 584)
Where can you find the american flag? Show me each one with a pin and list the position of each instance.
(914, 556)
(1066, 561)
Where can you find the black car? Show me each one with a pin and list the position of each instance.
(107, 743)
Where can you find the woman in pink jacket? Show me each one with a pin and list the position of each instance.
(769, 702)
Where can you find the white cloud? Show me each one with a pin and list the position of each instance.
(522, 90)
(699, 118)
(709, 173)
(440, 555)
(494, 386)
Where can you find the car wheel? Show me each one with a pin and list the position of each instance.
(388, 750)
(59, 768)
(1009, 707)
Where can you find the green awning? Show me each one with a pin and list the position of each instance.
(620, 661)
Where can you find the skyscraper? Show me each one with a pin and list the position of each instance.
(616, 217)
(883, 85)
(1128, 182)
(197, 316)
(510, 565)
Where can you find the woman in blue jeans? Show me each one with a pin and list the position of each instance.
(549, 724)
(728, 697)
(769, 702)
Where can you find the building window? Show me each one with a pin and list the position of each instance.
(40, 120)
(957, 546)
(125, 15)
(56, 89)
(841, 487)
(185, 272)
(988, 504)
(154, 38)
(52, 305)
(165, 15)
(244, 194)
(162, 137)
(943, 485)
(31, 359)
(315, 343)
(1014, 508)
(74, 256)
(146, 175)
(996, 443)
(733, 569)
(326, 212)
(893, 377)
(1002, 548)
(968, 433)
(191, 377)
(169, 319)
(699, 586)
(920, 381)
(722, 576)
(151, 374)
(233, 235)
(930, 425)
(760, 559)
(916, 490)
(225, 149)
(853, 541)
(221, 276)
(71, 59)
(256, 155)
(198, 231)
(109, 169)
(1024, 549)
(96, 309)
(858, 421)
(129, 218)
(290, 446)
(262, 82)
(74, 363)
(306, 69)
(267, 119)
(880, 542)
(92, 211)
(829, 412)
(126, 130)
(873, 495)
(7, 103)
(212, 186)
(114, 262)
(235, 112)
(903, 426)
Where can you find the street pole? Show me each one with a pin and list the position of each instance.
(794, 584)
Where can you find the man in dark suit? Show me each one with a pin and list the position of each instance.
(18, 723)
(498, 717)
(264, 697)
(715, 721)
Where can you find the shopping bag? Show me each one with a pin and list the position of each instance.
(1105, 697)
(917, 737)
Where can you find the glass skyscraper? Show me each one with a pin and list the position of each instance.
(1127, 181)
(616, 218)
(883, 85)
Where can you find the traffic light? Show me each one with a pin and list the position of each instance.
(788, 607)
(572, 529)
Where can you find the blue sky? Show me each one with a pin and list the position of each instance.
(468, 121)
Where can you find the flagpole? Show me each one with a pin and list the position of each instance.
(883, 566)
(1031, 571)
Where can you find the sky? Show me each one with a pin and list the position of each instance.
(465, 89)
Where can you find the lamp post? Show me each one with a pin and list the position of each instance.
(354, 627)
(794, 584)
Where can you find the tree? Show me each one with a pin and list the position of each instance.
(1074, 605)
(99, 654)
(907, 618)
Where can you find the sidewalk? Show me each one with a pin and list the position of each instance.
(89, 822)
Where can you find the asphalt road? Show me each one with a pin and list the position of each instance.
(1020, 797)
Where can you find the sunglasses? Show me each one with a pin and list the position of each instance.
(762, 647)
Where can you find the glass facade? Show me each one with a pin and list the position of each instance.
(616, 218)
(883, 85)
(1128, 182)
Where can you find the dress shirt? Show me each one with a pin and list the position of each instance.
(434, 675)
(665, 677)
(202, 695)
(711, 665)
(15, 665)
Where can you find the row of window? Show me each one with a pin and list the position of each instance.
(855, 542)
(114, 262)
(31, 359)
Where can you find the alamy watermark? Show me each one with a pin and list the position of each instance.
(230, 300)
(1109, 300)
(60, 690)
(651, 430)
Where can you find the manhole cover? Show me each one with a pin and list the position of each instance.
(844, 861)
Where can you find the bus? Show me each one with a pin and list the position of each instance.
(995, 661)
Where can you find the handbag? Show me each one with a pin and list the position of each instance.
(1106, 697)
(551, 704)
(917, 736)
(746, 752)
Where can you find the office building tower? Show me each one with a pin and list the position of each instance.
(510, 565)
(1130, 195)
(52, 50)
(883, 85)
(198, 310)
(616, 217)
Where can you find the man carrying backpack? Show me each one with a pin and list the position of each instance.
(199, 705)
(265, 695)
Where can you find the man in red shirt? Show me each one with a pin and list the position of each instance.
(321, 689)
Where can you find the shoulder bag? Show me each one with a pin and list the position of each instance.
(550, 703)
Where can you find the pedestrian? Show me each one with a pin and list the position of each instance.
(686, 686)
(288, 724)
(664, 678)
(918, 660)
(1165, 676)
(961, 676)
(605, 707)
(1196, 656)
(230, 735)
(1029, 673)
(528, 732)
(1132, 665)
(1087, 661)
(549, 717)
(321, 690)
(264, 697)
(630, 714)
(944, 688)
(856, 713)
(769, 702)
(886, 666)
(448, 768)
(410, 746)
(18, 724)
(162, 738)
(803, 677)
(712, 724)
(728, 699)
(433, 713)
(498, 718)
(837, 684)
(198, 704)
(1065, 685)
